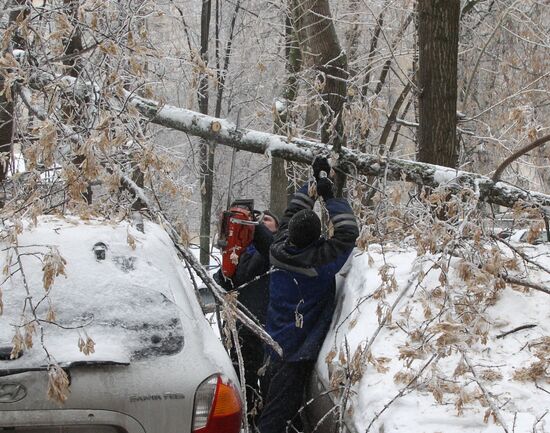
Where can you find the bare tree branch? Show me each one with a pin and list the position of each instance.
(517, 154)
(218, 292)
(524, 283)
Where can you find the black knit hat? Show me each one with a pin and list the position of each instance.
(272, 215)
(304, 228)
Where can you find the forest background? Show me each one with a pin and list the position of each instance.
(433, 112)
(346, 73)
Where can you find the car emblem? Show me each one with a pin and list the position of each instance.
(12, 392)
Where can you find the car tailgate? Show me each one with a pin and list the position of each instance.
(69, 421)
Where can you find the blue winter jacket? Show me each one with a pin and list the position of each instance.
(302, 287)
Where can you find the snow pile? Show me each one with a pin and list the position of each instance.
(420, 343)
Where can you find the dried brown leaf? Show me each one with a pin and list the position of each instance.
(58, 384)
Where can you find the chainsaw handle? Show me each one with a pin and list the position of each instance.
(257, 216)
(244, 222)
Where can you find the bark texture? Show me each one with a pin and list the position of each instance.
(6, 95)
(6, 131)
(315, 29)
(279, 191)
(73, 63)
(438, 31)
(206, 148)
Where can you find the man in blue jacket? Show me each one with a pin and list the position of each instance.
(301, 294)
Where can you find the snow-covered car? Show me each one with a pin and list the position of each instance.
(118, 337)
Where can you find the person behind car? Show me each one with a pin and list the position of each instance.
(251, 280)
(302, 291)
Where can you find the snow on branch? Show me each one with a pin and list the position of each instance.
(351, 161)
(300, 150)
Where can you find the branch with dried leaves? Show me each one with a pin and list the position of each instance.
(435, 356)
(218, 292)
(389, 313)
(301, 150)
(521, 254)
(492, 405)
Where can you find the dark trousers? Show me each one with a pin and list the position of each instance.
(252, 350)
(284, 396)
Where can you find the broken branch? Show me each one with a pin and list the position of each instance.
(301, 150)
(519, 328)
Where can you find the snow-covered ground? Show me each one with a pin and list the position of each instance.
(446, 338)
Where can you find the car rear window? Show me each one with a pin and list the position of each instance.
(119, 325)
(117, 306)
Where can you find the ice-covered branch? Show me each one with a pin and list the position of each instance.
(218, 292)
(300, 150)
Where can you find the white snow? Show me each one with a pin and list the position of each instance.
(280, 105)
(521, 404)
(120, 302)
(444, 175)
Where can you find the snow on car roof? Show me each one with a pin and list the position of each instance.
(124, 303)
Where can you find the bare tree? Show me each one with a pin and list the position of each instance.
(438, 31)
(318, 37)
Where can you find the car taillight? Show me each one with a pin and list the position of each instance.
(218, 407)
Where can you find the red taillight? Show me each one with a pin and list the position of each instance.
(217, 408)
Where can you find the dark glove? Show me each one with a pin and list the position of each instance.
(324, 188)
(224, 282)
(320, 163)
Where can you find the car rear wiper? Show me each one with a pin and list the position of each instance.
(67, 365)
(10, 371)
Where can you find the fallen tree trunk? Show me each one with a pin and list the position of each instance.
(300, 150)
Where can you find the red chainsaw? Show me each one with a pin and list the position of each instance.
(236, 232)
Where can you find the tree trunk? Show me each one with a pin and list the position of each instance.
(279, 191)
(73, 62)
(331, 63)
(6, 132)
(6, 100)
(438, 31)
(206, 148)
